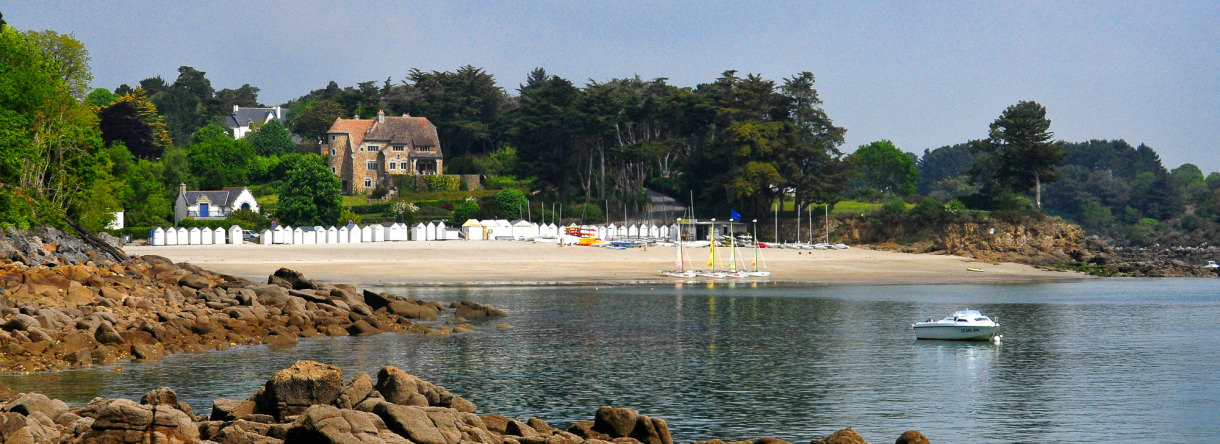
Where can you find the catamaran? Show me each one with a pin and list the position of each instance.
(681, 270)
(758, 258)
(711, 260)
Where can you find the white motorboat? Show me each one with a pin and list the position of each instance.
(962, 325)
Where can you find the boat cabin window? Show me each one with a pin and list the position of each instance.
(980, 319)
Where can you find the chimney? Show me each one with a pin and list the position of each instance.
(235, 107)
(182, 188)
(380, 116)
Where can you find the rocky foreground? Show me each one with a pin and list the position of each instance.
(64, 306)
(309, 402)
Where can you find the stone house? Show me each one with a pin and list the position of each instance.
(212, 204)
(364, 153)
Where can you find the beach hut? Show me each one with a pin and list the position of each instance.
(419, 232)
(332, 235)
(171, 236)
(622, 232)
(193, 236)
(236, 235)
(277, 235)
(266, 237)
(611, 232)
(664, 232)
(378, 233)
(344, 235)
(396, 232)
(654, 231)
(473, 230)
(522, 229)
(430, 231)
(633, 232)
(298, 236)
(157, 237)
(205, 236)
(366, 233)
(674, 234)
(354, 234)
(602, 232)
(309, 236)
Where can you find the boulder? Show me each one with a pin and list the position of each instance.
(167, 397)
(413, 310)
(377, 300)
(196, 281)
(28, 403)
(294, 389)
(474, 310)
(355, 392)
(399, 387)
(411, 422)
(228, 409)
(329, 424)
(627, 423)
(33, 428)
(295, 279)
(20, 322)
(122, 420)
(844, 436)
(912, 437)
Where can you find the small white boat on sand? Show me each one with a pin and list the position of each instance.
(962, 325)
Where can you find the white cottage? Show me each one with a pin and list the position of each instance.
(212, 205)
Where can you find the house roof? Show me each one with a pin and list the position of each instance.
(243, 116)
(416, 131)
(355, 129)
(224, 197)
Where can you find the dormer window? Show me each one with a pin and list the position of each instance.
(374, 148)
(424, 148)
(400, 147)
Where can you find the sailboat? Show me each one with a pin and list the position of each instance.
(733, 254)
(681, 270)
(711, 259)
(758, 258)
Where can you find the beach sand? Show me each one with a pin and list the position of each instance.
(528, 263)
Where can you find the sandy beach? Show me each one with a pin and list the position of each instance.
(524, 263)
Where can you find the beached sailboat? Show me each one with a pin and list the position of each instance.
(681, 270)
(733, 254)
(711, 259)
(758, 257)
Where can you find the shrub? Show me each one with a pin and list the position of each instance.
(380, 192)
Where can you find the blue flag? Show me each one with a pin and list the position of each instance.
(734, 215)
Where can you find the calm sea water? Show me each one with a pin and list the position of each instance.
(1088, 361)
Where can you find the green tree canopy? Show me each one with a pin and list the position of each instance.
(217, 160)
(271, 139)
(313, 123)
(70, 57)
(465, 210)
(512, 204)
(52, 161)
(133, 121)
(885, 168)
(1019, 154)
(310, 194)
(100, 98)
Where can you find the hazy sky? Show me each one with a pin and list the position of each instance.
(922, 74)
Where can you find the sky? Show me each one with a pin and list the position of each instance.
(922, 74)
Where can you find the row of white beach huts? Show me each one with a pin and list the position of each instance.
(432, 231)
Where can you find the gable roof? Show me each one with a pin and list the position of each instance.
(417, 131)
(243, 116)
(225, 197)
(355, 129)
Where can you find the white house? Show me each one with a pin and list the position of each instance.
(239, 122)
(212, 204)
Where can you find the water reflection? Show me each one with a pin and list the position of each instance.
(1079, 362)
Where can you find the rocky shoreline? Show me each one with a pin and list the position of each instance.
(310, 402)
(64, 306)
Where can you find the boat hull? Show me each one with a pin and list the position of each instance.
(956, 332)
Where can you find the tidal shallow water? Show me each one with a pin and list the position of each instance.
(1086, 361)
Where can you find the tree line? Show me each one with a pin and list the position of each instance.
(737, 142)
